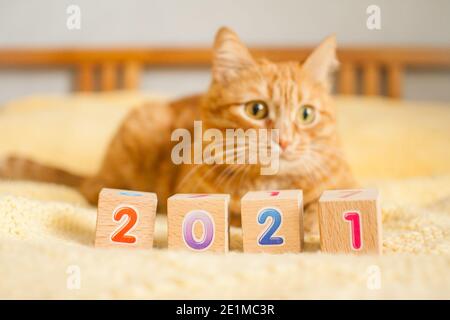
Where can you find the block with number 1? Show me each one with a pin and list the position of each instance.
(350, 221)
(272, 221)
(125, 219)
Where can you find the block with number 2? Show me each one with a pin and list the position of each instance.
(125, 219)
(272, 221)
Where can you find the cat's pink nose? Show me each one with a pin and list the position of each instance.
(283, 144)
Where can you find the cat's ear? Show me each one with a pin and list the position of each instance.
(230, 56)
(322, 61)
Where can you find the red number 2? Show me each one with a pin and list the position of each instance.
(355, 228)
(120, 235)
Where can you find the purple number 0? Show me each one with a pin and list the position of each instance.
(267, 237)
(188, 229)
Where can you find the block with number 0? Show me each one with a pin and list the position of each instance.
(350, 221)
(198, 222)
(272, 221)
(125, 219)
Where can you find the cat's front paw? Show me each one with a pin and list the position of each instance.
(311, 219)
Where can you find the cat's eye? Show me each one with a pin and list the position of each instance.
(306, 114)
(257, 110)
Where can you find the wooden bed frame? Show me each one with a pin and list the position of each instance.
(379, 71)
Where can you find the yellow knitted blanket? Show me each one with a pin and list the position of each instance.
(47, 231)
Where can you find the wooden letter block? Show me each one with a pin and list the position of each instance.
(272, 221)
(125, 219)
(198, 222)
(350, 221)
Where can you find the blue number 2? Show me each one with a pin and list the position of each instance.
(267, 238)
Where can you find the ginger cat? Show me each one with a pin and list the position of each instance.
(244, 93)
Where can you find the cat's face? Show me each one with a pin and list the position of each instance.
(290, 97)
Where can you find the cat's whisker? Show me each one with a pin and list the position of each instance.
(197, 168)
(310, 169)
(188, 175)
(223, 176)
(326, 159)
(217, 167)
(243, 176)
(236, 152)
(223, 153)
(203, 178)
(327, 149)
(314, 164)
(230, 168)
(234, 175)
(323, 166)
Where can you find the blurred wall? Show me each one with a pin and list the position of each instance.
(34, 23)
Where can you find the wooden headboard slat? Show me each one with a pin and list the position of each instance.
(131, 75)
(347, 78)
(108, 76)
(395, 80)
(371, 78)
(85, 77)
(125, 64)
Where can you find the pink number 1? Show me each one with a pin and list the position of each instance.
(355, 228)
